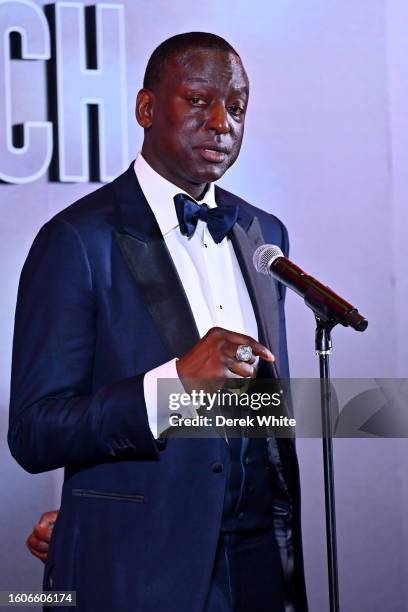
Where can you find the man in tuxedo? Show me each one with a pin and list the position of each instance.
(151, 277)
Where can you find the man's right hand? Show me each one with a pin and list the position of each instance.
(39, 539)
(214, 357)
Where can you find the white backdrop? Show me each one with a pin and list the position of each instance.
(326, 149)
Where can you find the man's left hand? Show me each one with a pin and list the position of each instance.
(39, 539)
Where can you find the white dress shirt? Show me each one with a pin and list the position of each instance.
(209, 273)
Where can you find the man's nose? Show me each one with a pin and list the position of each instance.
(218, 118)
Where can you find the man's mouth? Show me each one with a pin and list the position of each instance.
(214, 154)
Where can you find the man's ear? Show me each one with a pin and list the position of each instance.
(144, 108)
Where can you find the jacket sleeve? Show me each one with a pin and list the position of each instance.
(55, 419)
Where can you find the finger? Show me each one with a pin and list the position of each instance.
(43, 533)
(36, 544)
(241, 368)
(48, 518)
(257, 348)
(230, 351)
(39, 555)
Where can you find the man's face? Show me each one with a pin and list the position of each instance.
(197, 117)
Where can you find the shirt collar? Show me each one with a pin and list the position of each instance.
(159, 193)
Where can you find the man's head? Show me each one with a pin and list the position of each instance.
(192, 108)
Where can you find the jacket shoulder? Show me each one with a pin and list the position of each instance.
(91, 217)
(92, 207)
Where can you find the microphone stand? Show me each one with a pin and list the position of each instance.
(329, 309)
(323, 345)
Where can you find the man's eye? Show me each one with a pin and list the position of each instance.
(236, 110)
(196, 101)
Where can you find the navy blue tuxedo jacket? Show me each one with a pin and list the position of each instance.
(100, 303)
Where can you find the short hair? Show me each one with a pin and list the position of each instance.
(178, 44)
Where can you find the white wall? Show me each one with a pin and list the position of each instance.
(326, 149)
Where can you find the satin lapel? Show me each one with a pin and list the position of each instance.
(261, 289)
(152, 268)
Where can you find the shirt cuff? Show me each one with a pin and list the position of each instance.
(158, 415)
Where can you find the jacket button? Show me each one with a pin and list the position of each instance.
(217, 467)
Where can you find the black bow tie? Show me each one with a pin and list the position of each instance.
(220, 220)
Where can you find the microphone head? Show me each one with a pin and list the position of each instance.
(264, 257)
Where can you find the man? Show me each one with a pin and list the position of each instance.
(116, 293)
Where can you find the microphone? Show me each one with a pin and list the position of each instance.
(269, 259)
